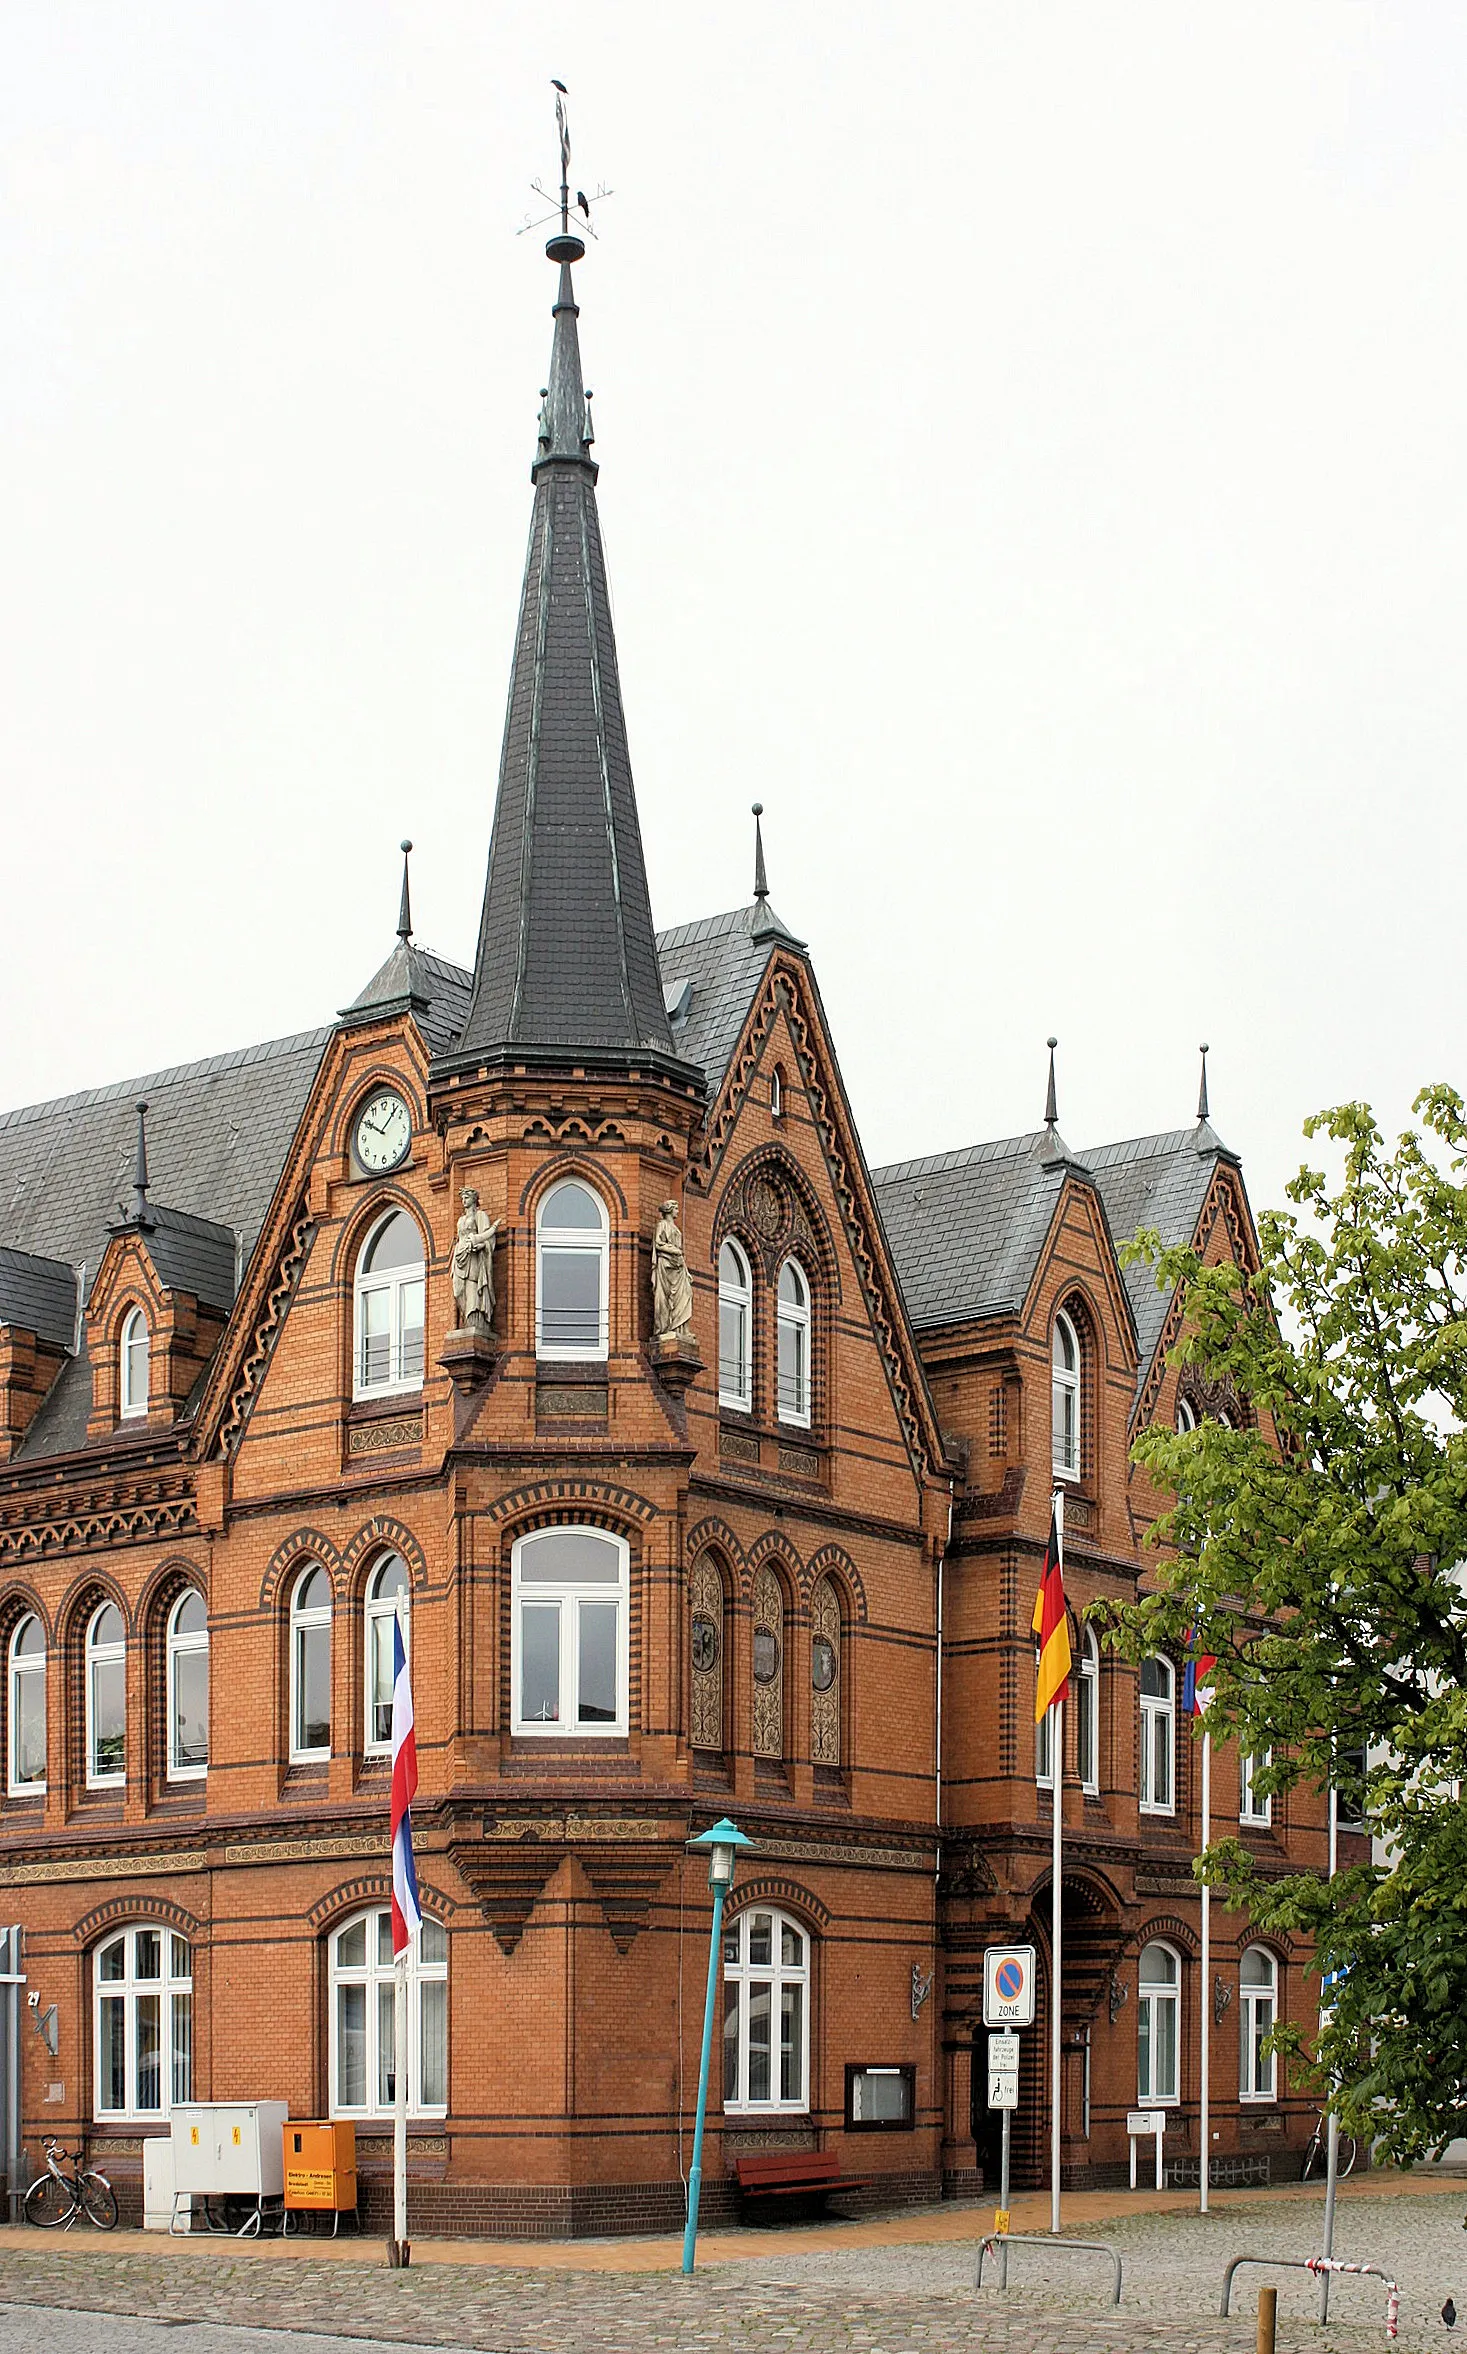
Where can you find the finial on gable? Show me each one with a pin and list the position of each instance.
(761, 879)
(140, 1213)
(405, 912)
(1051, 1100)
(1203, 1114)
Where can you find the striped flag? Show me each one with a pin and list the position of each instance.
(1200, 1665)
(407, 1916)
(1051, 1626)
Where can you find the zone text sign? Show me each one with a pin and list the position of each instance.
(1008, 1986)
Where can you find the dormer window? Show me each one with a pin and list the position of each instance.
(389, 1308)
(132, 1369)
(571, 1268)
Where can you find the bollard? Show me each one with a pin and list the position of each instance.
(1268, 2315)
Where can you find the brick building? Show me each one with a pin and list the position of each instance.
(778, 1563)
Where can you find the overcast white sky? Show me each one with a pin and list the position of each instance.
(1033, 464)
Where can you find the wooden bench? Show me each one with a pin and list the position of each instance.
(791, 2174)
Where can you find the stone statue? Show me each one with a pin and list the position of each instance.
(672, 1291)
(473, 1265)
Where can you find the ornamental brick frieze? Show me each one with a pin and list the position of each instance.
(280, 1291)
(87, 1529)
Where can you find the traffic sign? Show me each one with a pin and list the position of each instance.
(1003, 2071)
(1008, 1986)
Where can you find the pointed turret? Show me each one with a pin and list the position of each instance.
(566, 969)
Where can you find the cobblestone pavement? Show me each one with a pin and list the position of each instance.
(911, 2299)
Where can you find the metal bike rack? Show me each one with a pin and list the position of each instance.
(1315, 2265)
(1004, 2240)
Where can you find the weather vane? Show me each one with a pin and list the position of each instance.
(582, 200)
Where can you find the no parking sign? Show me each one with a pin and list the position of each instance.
(1008, 1986)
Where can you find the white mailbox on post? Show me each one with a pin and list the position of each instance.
(229, 2150)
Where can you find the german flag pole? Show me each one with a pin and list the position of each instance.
(1051, 1686)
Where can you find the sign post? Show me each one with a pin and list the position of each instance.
(1008, 2004)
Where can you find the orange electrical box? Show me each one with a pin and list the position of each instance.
(321, 2166)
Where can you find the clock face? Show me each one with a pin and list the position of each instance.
(384, 1132)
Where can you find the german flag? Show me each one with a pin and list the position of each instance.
(1051, 1627)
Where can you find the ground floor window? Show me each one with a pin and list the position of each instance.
(1158, 1992)
(363, 1991)
(143, 2023)
(766, 2012)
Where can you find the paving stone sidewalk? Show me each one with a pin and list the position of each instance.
(849, 2300)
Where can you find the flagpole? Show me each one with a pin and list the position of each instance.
(407, 1920)
(1205, 2073)
(1057, 1759)
(400, 2106)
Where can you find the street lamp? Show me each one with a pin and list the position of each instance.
(722, 1843)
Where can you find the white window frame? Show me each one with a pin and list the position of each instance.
(1156, 1706)
(1064, 1384)
(1044, 1750)
(1254, 1806)
(395, 1282)
(134, 1337)
(742, 1974)
(97, 1655)
(19, 1672)
(177, 1647)
(578, 1239)
(1251, 2000)
(776, 1094)
(1186, 1416)
(378, 1977)
(379, 1611)
(303, 1622)
(736, 1298)
(1087, 1694)
(1151, 1993)
(794, 1317)
(129, 1990)
(569, 1593)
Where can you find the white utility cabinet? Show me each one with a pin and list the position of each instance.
(229, 2150)
(158, 2201)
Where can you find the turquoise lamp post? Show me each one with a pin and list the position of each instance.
(722, 1843)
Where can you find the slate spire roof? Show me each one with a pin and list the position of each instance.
(566, 969)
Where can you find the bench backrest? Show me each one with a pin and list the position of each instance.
(787, 2166)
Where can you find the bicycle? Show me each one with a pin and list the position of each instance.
(1317, 2153)
(66, 2190)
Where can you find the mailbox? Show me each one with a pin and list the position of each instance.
(321, 2166)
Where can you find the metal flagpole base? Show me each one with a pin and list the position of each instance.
(399, 2255)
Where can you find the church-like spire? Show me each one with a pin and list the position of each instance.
(566, 969)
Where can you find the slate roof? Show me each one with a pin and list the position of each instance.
(719, 962)
(566, 967)
(193, 1254)
(1158, 1181)
(38, 1295)
(966, 1227)
(415, 979)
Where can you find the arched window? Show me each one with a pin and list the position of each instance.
(568, 1597)
(768, 1663)
(132, 1367)
(1186, 1415)
(26, 1709)
(572, 1258)
(1158, 1724)
(389, 1308)
(1254, 1805)
(1087, 1715)
(766, 2012)
(362, 1993)
(825, 1702)
(1158, 2032)
(143, 2024)
(388, 1592)
(735, 1314)
(706, 1595)
(1064, 1430)
(106, 1698)
(792, 1311)
(1258, 1989)
(776, 1093)
(188, 1688)
(310, 1665)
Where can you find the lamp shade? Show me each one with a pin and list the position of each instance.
(721, 1841)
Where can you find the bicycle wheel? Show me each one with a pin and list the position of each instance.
(48, 2203)
(1310, 2157)
(1349, 2151)
(99, 2201)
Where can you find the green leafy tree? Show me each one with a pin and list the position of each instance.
(1319, 1552)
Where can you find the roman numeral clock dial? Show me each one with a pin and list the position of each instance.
(384, 1131)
